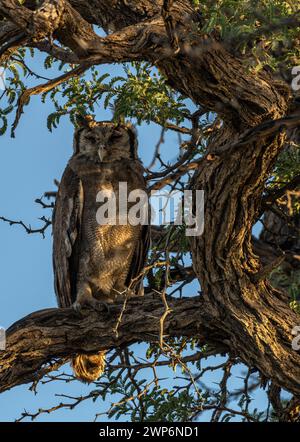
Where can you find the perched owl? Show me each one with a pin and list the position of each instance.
(95, 263)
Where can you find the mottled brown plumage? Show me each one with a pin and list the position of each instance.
(96, 263)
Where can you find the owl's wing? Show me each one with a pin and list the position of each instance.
(66, 230)
(138, 261)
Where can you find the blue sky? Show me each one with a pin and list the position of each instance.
(29, 164)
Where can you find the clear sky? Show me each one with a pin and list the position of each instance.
(29, 164)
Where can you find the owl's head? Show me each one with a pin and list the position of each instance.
(106, 141)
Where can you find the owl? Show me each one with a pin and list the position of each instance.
(94, 262)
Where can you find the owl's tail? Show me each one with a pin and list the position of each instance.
(88, 368)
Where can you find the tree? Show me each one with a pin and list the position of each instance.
(240, 145)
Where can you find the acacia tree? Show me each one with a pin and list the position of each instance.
(239, 143)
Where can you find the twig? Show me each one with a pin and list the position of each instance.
(42, 88)
(157, 148)
(28, 229)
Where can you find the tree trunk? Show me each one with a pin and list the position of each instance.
(243, 306)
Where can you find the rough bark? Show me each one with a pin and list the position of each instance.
(239, 304)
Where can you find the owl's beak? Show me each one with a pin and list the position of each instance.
(101, 152)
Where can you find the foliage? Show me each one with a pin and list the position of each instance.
(141, 392)
(14, 73)
(142, 94)
(254, 25)
(156, 404)
(286, 168)
(290, 283)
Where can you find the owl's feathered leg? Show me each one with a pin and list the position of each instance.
(88, 368)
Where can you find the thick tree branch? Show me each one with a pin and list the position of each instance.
(58, 19)
(202, 69)
(53, 334)
(113, 16)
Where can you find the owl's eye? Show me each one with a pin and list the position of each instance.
(91, 138)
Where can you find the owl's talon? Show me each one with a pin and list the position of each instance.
(78, 308)
(99, 306)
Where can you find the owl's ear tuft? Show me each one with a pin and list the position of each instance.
(85, 121)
